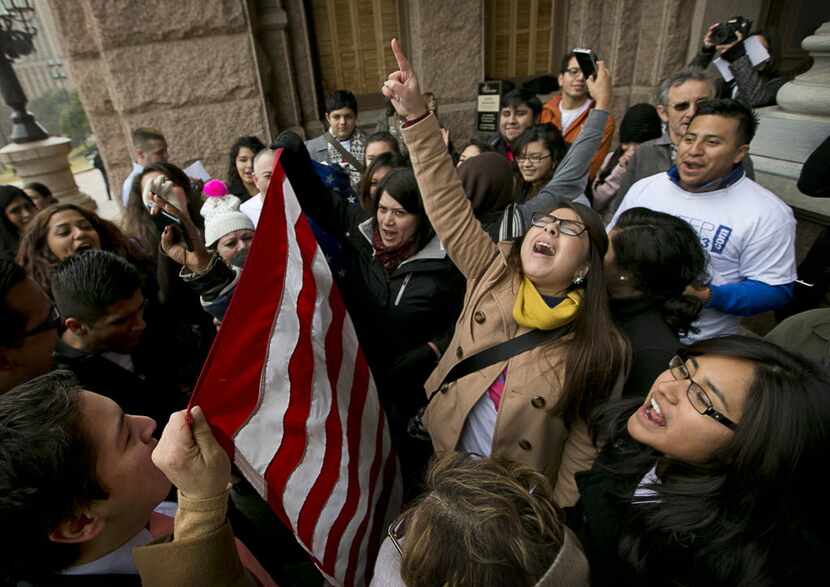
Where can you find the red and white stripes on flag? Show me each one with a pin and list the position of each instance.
(289, 395)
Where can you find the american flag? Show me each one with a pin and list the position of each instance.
(289, 395)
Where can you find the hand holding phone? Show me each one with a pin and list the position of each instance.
(587, 62)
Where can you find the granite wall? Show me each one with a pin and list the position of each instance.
(185, 67)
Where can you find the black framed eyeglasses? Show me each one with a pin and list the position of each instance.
(53, 322)
(697, 395)
(566, 227)
(535, 159)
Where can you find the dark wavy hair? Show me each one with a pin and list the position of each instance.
(598, 353)
(756, 512)
(392, 160)
(139, 224)
(48, 473)
(235, 183)
(38, 259)
(402, 186)
(663, 255)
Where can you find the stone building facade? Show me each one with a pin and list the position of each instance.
(208, 71)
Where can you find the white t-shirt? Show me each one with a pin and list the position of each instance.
(746, 231)
(252, 208)
(568, 116)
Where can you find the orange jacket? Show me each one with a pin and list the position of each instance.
(552, 114)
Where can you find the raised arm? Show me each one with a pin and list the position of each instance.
(449, 210)
(571, 175)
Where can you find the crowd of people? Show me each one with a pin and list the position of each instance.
(553, 326)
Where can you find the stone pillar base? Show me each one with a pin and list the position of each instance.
(783, 142)
(47, 161)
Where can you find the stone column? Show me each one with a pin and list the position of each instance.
(790, 132)
(446, 46)
(46, 161)
(186, 68)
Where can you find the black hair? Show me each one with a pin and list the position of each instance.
(755, 513)
(522, 96)
(391, 160)
(12, 323)
(547, 134)
(9, 233)
(40, 188)
(341, 99)
(730, 108)
(402, 186)
(235, 185)
(48, 473)
(482, 146)
(86, 284)
(663, 255)
(384, 137)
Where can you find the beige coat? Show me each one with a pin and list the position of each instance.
(526, 431)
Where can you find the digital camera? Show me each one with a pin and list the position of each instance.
(725, 32)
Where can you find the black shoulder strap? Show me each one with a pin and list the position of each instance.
(347, 155)
(504, 350)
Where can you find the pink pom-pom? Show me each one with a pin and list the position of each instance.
(215, 188)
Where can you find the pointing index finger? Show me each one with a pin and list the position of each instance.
(403, 62)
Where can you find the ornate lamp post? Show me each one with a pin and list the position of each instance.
(34, 154)
(16, 34)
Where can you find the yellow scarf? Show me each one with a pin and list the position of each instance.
(531, 311)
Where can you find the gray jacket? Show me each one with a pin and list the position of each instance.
(318, 148)
(653, 157)
(569, 568)
(568, 182)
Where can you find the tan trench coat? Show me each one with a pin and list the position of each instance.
(526, 430)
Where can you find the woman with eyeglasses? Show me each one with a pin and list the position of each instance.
(481, 522)
(538, 150)
(717, 477)
(532, 406)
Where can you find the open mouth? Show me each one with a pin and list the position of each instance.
(83, 247)
(691, 166)
(654, 414)
(543, 248)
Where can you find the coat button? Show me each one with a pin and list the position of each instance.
(538, 402)
(479, 317)
(444, 387)
(459, 353)
(525, 444)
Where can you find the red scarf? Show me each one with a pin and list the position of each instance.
(391, 257)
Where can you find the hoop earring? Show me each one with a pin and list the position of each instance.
(578, 280)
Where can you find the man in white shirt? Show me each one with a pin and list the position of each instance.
(747, 231)
(263, 168)
(150, 147)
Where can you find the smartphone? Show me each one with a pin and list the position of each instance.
(587, 62)
(164, 219)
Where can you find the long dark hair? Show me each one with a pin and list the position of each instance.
(235, 184)
(9, 233)
(38, 259)
(402, 186)
(755, 513)
(391, 160)
(139, 224)
(597, 354)
(663, 255)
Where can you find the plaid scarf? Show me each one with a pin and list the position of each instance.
(357, 147)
